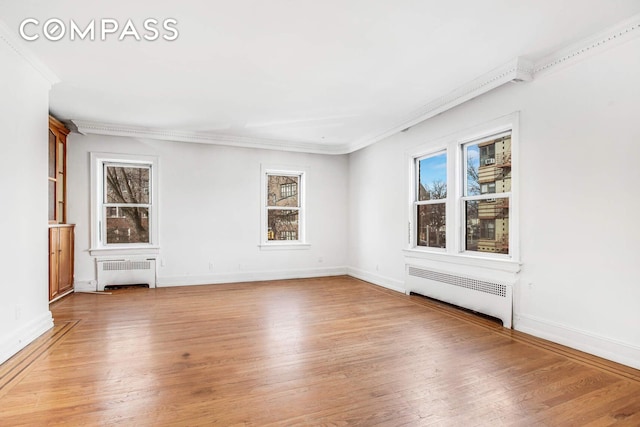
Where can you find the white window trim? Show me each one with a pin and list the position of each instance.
(299, 244)
(415, 203)
(98, 247)
(453, 145)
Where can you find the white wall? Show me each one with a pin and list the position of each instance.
(580, 174)
(579, 187)
(210, 211)
(24, 105)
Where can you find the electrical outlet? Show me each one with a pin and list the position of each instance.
(210, 266)
(18, 311)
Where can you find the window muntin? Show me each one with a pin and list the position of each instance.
(430, 200)
(487, 194)
(126, 203)
(283, 207)
(289, 189)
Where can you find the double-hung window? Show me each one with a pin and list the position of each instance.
(487, 194)
(124, 202)
(431, 200)
(462, 193)
(283, 215)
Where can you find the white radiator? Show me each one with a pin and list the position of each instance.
(481, 295)
(134, 271)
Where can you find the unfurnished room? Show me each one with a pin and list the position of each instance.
(279, 213)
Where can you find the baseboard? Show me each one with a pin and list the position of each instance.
(84, 286)
(249, 276)
(376, 279)
(19, 339)
(617, 351)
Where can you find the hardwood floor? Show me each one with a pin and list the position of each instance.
(331, 351)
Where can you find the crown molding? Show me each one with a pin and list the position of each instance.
(519, 69)
(25, 53)
(87, 127)
(612, 36)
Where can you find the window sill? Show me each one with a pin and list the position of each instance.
(505, 264)
(284, 246)
(124, 251)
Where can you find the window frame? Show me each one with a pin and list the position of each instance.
(99, 206)
(301, 242)
(119, 205)
(493, 197)
(455, 251)
(416, 197)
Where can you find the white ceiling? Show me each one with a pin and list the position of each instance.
(323, 73)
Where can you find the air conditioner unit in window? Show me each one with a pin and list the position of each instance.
(489, 161)
(491, 200)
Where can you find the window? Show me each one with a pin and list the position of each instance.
(126, 190)
(461, 196)
(430, 200)
(487, 170)
(488, 188)
(488, 229)
(487, 154)
(283, 208)
(289, 189)
(124, 202)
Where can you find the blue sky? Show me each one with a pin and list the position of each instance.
(433, 169)
(473, 152)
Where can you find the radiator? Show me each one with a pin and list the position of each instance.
(135, 271)
(481, 295)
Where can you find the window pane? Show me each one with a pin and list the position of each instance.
(282, 224)
(282, 190)
(432, 177)
(52, 200)
(488, 168)
(487, 224)
(432, 228)
(130, 225)
(52, 155)
(127, 185)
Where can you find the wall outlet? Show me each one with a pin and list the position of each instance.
(210, 266)
(18, 311)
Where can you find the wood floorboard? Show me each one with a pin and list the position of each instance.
(330, 351)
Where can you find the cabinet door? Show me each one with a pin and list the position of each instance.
(57, 171)
(65, 260)
(54, 239)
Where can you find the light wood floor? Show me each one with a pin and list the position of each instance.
(332, 351)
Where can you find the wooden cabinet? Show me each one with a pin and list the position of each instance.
(60, 260)
(57, 172)
(60, 234)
